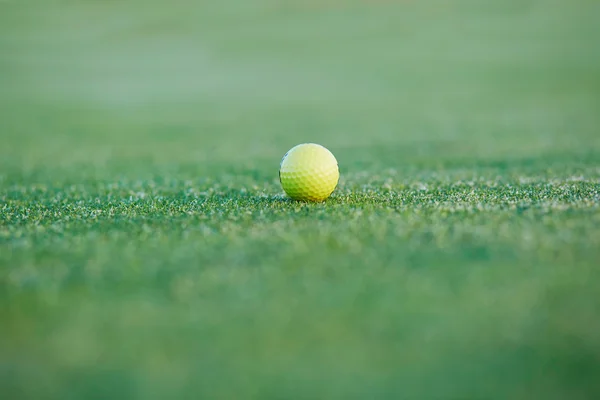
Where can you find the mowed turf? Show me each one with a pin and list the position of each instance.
(148, 252)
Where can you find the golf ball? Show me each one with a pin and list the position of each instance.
(309, 172)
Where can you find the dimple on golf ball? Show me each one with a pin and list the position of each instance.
(309, 172)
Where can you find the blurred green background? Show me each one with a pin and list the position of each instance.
(146, 250)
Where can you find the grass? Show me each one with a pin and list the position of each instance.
(147, 251)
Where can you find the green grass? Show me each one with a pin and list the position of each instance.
(147, 250)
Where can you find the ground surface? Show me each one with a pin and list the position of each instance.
(147, 251)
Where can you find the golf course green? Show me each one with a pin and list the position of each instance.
(148, 251)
